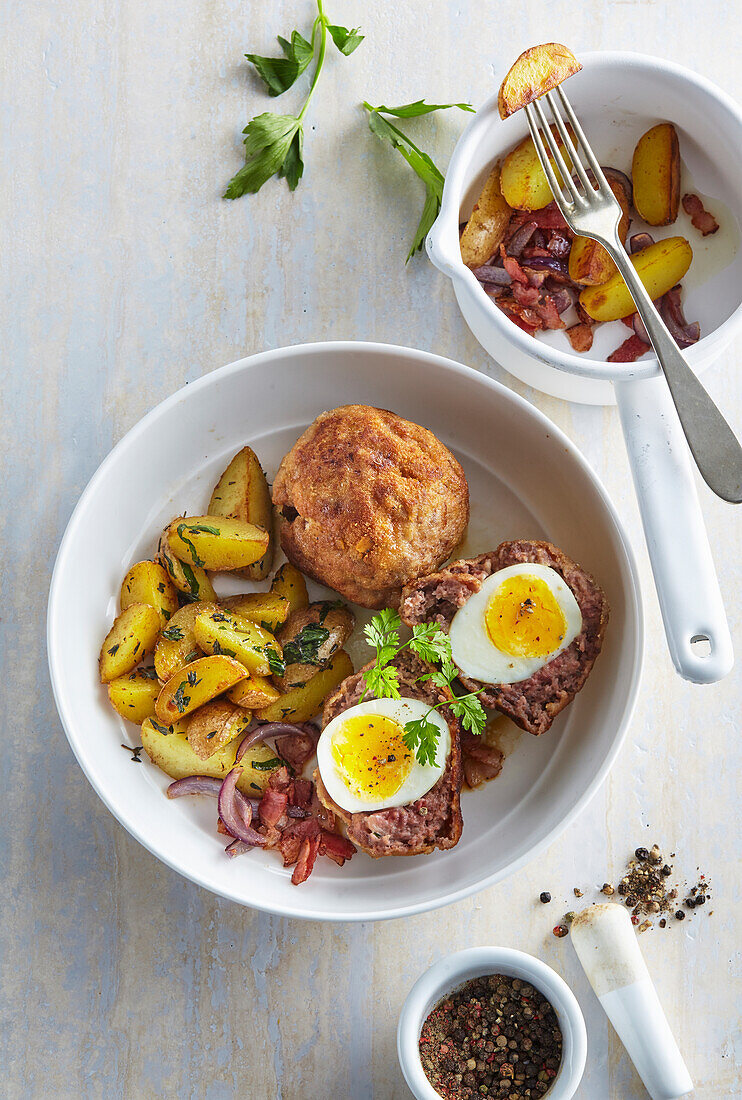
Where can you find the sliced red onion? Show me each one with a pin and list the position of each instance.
(640, 241)
(496, 276)
(237, 847)
(494, 291)
(615, 176)
(638, 326)
(559, 245)
(195, 784)
(546, 263)
(671, 309)
(563, 298)
(234, 809)
(520, 239)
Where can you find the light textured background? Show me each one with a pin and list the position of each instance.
(124, 275)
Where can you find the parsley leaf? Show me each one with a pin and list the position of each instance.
(471, 712)
(419, 161)
(304, 648)
(345, 40)
(430, 642)
(279, 73)
(421, 737)
(181, 529)
(276, 664)
(173, 634)
(267, 143)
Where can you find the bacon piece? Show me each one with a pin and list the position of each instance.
(700, 218)
(513, 268)
(535, 250)
(580, 336)
(337, 848)
(526, 319)
(548, 312)
(293, 836)
(301, 793)
(296, 748)
(305, 863)
(548, 218)
(629, 351)
(272, 806)
(280, 780)
(527, 296)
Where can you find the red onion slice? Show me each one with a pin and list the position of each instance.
(623, 181)
(640, 241)
(546, 263)
(495, 276)
(194, 784)
(520, 239)
(671, 309)
(235, 811)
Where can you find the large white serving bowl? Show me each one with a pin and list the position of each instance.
(617, 97)
(526, 479)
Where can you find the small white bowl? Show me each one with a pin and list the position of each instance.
(451, 972)
(617, 97)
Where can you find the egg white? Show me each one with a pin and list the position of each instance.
(422, 776)
(472, 649)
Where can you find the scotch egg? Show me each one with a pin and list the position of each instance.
(363, 760)
(521, 618)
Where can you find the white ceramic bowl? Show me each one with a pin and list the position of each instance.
(617, 96)
(526, 479)
(451, 972)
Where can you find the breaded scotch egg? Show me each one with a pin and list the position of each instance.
(368, 501)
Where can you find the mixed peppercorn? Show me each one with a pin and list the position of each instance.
(495, 1036)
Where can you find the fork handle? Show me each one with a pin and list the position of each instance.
(713, 444)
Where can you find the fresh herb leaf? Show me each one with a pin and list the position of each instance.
(279, 73)
(419, 161)
(164, 730)
(266, 765)
(304, 648)
(135, 757)
(470, 711)
(276, 663)
(180, 699)
(345, 40)
(114, 649)
(150, 673)
(383, 681)
(173, 634)
(220, 650)
(181, 529)
(430, 642)
(421, 737)
(192, 678)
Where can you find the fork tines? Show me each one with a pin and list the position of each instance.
(575, 197)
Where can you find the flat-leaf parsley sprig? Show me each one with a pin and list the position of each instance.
(430, 643)
(419, 161)
(273, 143)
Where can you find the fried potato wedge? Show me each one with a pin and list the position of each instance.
(177, 644)
(589, 263)
(168, 748)
(255, 648)
(522, 179)
(535, 73)
(132, 637)
(242, 493)
(655, 173)
(485, 229)
(148, 582)
(190, 579)
(133, 696)
(290, 583)
(660, 266)
(310, 638)
(267, 608)
(195, 685)
(214, 725)
(302, 703)
(214, 542)
(253, 693)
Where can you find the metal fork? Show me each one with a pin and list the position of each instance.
(595, 212)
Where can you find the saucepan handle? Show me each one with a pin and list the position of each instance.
(690, 600)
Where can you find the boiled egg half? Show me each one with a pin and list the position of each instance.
(518, 621)
(364, 762)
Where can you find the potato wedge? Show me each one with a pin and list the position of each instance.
(132, 637)
(535, 73)
(255, 648)
(189, 579)
(589, 263)
(195, 685)
(290, 583)
(177, 645)
(214, 725)
(214, 542)
(253, 692)
(168, 748)
(148, 582)
(660, 267)
(485, 229)
(310, 638)
(133, 696)
(267, 608)
(242, 493)
(302, 703)
(522, 179)
(655, 173)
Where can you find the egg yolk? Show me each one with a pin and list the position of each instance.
(371, 756)
(524, 619)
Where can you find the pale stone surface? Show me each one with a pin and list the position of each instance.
(124, 275)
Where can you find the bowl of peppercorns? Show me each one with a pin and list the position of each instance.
(495, 1022)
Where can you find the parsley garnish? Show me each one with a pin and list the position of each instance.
(276, 664)
(266, 765)
(173, 634)
(181, 529)
(304, 648)
(273, 143)
(419, 161)
(431, 643)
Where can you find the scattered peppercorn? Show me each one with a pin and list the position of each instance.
(495, 1036)
(700, 900)
(663, 923)
(577, 893)
(607, 889)
(560, 931)
(689, 903)
(679, 914)
(642, 854)
(544, 897)
(666, 870)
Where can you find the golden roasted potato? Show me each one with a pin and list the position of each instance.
(177, 644)
(655, 173)
(290, 583)
(132, 637)
(214, 542)
(589, 263)
(242, 493)
(310, 638)
(267, 608)
(214, 725)
(168, 748)
(190, 579)
(535, 73)
(253, 692)
(522, 179)
(302, 703)
(660, 266)
(195, 685)
(255, 648)
(133, 696)
(148, 582)
(485, 229)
